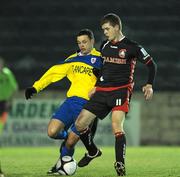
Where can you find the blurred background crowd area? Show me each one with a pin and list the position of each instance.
(35, 35)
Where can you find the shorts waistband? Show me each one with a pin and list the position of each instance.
(76, 98)
(130, 86)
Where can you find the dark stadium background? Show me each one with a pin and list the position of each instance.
(35, 35)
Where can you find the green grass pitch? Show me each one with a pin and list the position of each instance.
(141, 162)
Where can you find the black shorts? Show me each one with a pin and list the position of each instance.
(3, 107)
(103, 102)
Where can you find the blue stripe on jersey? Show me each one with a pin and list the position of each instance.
(92, 60)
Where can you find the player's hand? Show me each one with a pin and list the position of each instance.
(92, 92)
(148, 91)
(29, 92)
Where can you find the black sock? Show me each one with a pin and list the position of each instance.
(93, 127)
(87, 140)
(120, 147)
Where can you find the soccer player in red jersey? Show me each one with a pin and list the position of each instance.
(114, 88)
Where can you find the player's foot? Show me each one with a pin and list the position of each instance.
(54, 170)
(120, 168)
(87, 158)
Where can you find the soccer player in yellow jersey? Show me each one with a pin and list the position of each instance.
(81, 70)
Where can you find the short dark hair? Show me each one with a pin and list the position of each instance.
(113, 19)
(87, 32)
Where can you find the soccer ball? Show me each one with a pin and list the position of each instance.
(66, 166)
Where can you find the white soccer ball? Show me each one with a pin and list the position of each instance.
(66, 166)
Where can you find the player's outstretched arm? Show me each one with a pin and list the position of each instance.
(148, 91)
(29, 92)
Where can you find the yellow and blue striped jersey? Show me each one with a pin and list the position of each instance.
(78, 69)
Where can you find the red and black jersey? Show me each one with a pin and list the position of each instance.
(119, 63)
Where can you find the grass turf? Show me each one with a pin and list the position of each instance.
(140, 162)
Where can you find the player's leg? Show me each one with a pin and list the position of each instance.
(68, 147)
(119, 101)
(82, 124)
(96, 106)
(68, 113)
(60, 118)
(3, 115)
(3, 119)
(84, 119)
(58, 125)
(93, 127)
(120, 141)
(56, 129)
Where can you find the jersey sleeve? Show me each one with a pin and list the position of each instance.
(146, 59)
(142, 55)
(54, 74)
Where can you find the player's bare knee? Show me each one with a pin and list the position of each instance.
(79, 125)
(52, 132)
